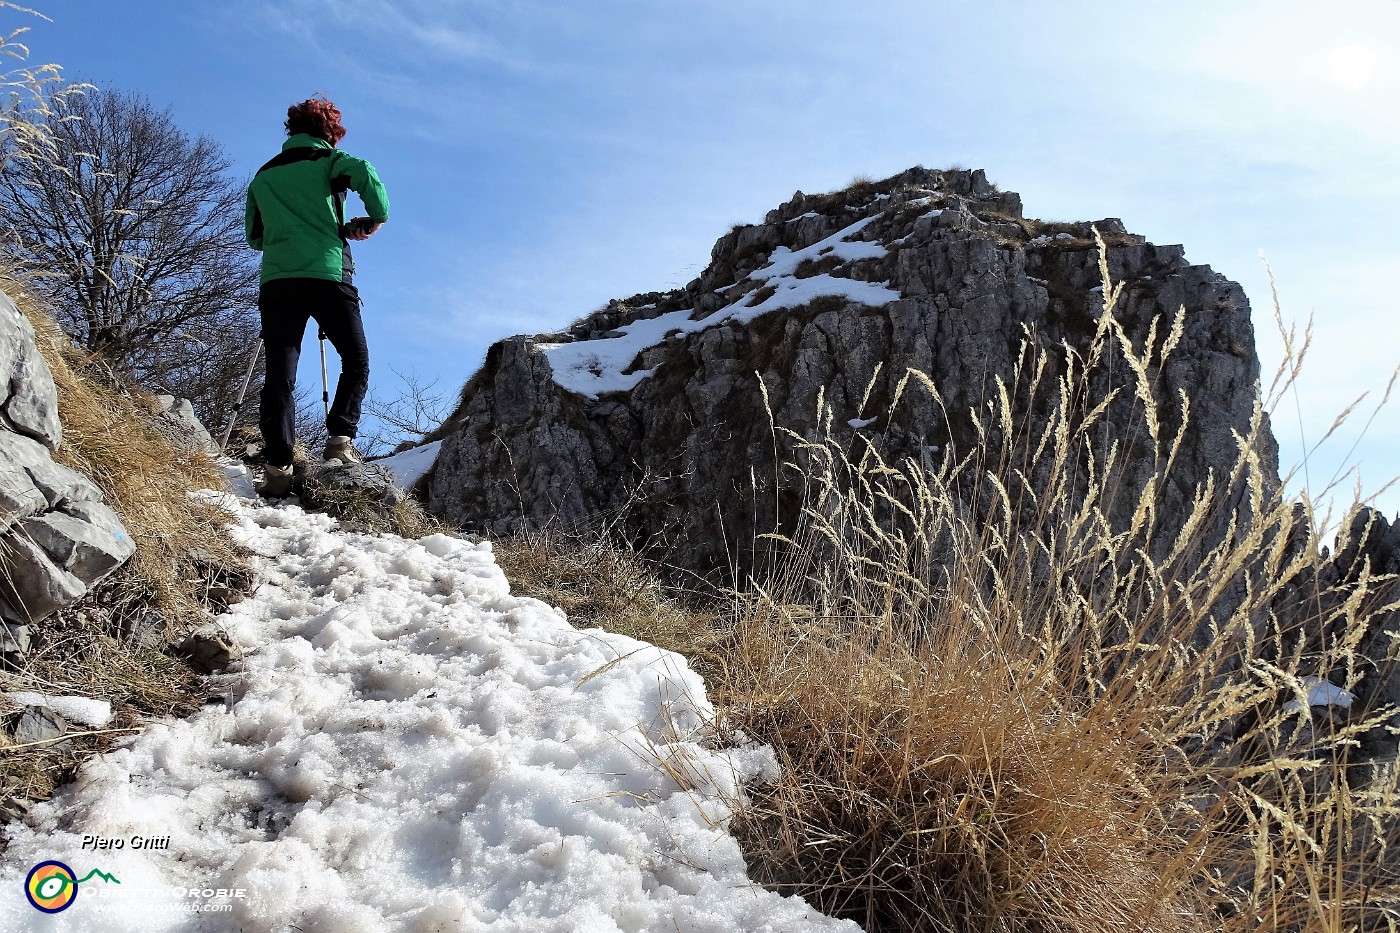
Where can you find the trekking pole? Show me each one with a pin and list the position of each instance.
(325, 383)
(242, 393)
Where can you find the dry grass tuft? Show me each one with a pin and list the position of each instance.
(363, 509)
(999, 710)
(603, 586)
(929, 789)
(77, 656)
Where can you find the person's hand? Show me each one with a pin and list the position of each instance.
(362, 228)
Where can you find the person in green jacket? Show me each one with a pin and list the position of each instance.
(295, 216)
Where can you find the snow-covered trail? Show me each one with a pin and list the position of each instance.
(409, 747)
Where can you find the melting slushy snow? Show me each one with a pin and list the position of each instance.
(410, 747)
(593, 367)
(408, 467)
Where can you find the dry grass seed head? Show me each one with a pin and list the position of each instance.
(1065, 732)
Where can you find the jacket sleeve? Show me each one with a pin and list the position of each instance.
(252, 223)
(364, 181)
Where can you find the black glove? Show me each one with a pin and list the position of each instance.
(358, 225)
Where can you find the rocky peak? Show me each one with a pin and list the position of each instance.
(910, 204)
(660, 402)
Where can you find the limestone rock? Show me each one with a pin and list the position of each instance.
(143, 630)
(39, 724)
(175, 418)
(57, 537)
(658, 406)
(30, 405)
(14, 645)
(13, 808)
(359, 493)
(59, 540)
(208, 649)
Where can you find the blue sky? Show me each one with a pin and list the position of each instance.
(543, 157)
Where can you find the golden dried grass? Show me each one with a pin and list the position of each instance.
(598, 584)
(997, 709)
(362, 509)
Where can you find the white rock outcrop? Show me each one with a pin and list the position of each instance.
(57, 537)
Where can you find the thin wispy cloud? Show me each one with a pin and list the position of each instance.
(1344, 77)
(417, 36)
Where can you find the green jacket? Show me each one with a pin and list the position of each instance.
(296, 204)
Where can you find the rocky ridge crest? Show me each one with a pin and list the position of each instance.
(659, 405)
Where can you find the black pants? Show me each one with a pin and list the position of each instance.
(285, 306)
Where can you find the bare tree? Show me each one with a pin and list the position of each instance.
(134, 232)
(418, 409)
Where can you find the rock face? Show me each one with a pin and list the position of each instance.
(1369, 546)
(659, 405)
(57, 538)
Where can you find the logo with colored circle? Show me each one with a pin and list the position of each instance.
(51, 887)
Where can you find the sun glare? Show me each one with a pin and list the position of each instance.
(1351, 66)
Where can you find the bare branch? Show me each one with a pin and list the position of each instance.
(417, 409)
(133, 231)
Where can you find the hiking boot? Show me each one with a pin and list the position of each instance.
(342, 448)
(277, 481)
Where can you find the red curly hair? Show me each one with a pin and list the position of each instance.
(315, 117)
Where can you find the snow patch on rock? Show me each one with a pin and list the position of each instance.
(593, 367)
(409, 466)
(85, 710)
